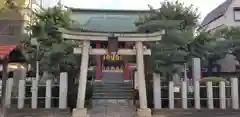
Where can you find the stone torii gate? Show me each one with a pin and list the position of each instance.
(85, 49)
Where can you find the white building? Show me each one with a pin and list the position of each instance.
(226, 14)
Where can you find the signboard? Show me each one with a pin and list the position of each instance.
(11, 27)
(112, 45)
(112, 62)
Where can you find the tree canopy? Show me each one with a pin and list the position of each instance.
(171, 14)
(55, 54)
(228, 40)
(180, 41)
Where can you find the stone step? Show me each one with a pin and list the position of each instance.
(111, 94)
(110, 101)
(112, 84)
(113, 89)
(111, 97)
(112, 77)
(115, 86)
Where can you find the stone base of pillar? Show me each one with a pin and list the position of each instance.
(146, 112)
(80, 112)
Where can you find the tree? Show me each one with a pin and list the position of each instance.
(228, 40)
(55, 54)
(172, 12)
(179, 43)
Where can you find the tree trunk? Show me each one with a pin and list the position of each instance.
(210, 67)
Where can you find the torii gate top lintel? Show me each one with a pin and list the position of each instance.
(103, 36)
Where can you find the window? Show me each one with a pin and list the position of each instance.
(236, 11)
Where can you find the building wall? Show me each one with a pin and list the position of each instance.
(228, 64)
(26, 12)
(216, 24)
(227, 19)
(230, 14)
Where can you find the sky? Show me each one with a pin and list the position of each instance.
(204, 6)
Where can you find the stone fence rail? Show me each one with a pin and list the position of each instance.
(223, 94)
(34, 97)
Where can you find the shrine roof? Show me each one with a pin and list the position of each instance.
(11, 25)
(14, 52)
(107, 10)
(106, 20)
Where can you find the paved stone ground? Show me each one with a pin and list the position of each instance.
(28, 112)
(112, 109)
(198, 116)
(197, 113)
